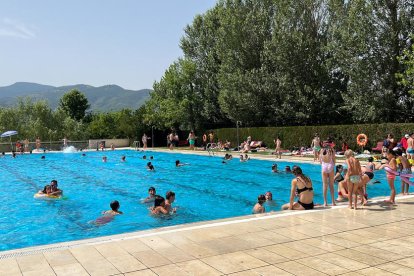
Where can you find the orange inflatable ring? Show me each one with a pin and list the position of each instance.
(362, 139)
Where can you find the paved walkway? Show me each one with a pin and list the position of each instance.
(376, 240)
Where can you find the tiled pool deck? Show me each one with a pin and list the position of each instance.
(375, 240)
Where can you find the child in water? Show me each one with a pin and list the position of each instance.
(109, 215)
(151, 195)
(159, 206)
(114, 209)
(150, 167)
(258, 208)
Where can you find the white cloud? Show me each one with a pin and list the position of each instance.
(13, 28)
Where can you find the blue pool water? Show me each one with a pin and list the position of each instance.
(205, 190)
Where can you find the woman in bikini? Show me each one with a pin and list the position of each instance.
(327, 159)
(302, 187)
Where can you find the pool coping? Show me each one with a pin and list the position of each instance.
(171, 229)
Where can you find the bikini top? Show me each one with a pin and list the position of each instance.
(299, 191)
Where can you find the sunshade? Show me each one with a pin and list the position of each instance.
(8, 133)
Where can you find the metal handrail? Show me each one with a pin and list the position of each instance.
(210, 149)
(137, 145)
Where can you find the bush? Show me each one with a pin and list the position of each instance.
(298, 136)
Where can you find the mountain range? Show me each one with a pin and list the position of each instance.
(103, 98)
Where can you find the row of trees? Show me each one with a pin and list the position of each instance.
(284, 62)
(70, 119)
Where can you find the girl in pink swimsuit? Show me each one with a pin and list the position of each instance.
(327, 159)
(392, 164)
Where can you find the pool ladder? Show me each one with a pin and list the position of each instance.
(210, 147)
(137, 145)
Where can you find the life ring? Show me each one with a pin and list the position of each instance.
(362, 139)
(45, 196)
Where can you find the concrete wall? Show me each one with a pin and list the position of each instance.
(118, 143)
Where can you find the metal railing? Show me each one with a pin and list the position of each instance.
(136, 145)
(211, 148)
(44, 145)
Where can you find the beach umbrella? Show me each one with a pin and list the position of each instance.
(8, 133)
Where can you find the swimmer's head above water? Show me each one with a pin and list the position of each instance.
(269, 195)
(261, 199)
(151, 191)
(115, 205)
(159, 201)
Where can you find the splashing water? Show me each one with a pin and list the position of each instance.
(70, 149)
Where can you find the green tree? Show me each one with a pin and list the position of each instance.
(75, 104)
(175, 101)
(406, 78)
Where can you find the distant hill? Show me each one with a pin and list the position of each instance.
(103, 98)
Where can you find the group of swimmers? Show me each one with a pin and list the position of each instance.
(276, 170)
(261, 199)
(50, 190)
(161, 205)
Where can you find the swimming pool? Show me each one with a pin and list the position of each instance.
(205, 190)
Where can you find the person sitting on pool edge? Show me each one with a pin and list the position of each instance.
(170, 198)
(302, 186)
(54, 190)
(151, 195)
(159, 206)
(258, 207)
(150, 167)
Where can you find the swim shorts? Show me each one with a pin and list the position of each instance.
(355, 179)
(410, 150)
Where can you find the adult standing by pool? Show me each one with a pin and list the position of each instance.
(316, 146)
(278, 147)
(144, 140)
(211, 137)
(302, 187)
(191, 139)
(410, 146)
(205, 141)
(26, 145)
(327, 159)
(170, 141)
(38, 144)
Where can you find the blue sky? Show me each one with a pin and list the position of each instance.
(129, 43)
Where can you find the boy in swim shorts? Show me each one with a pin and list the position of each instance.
(353, 177)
